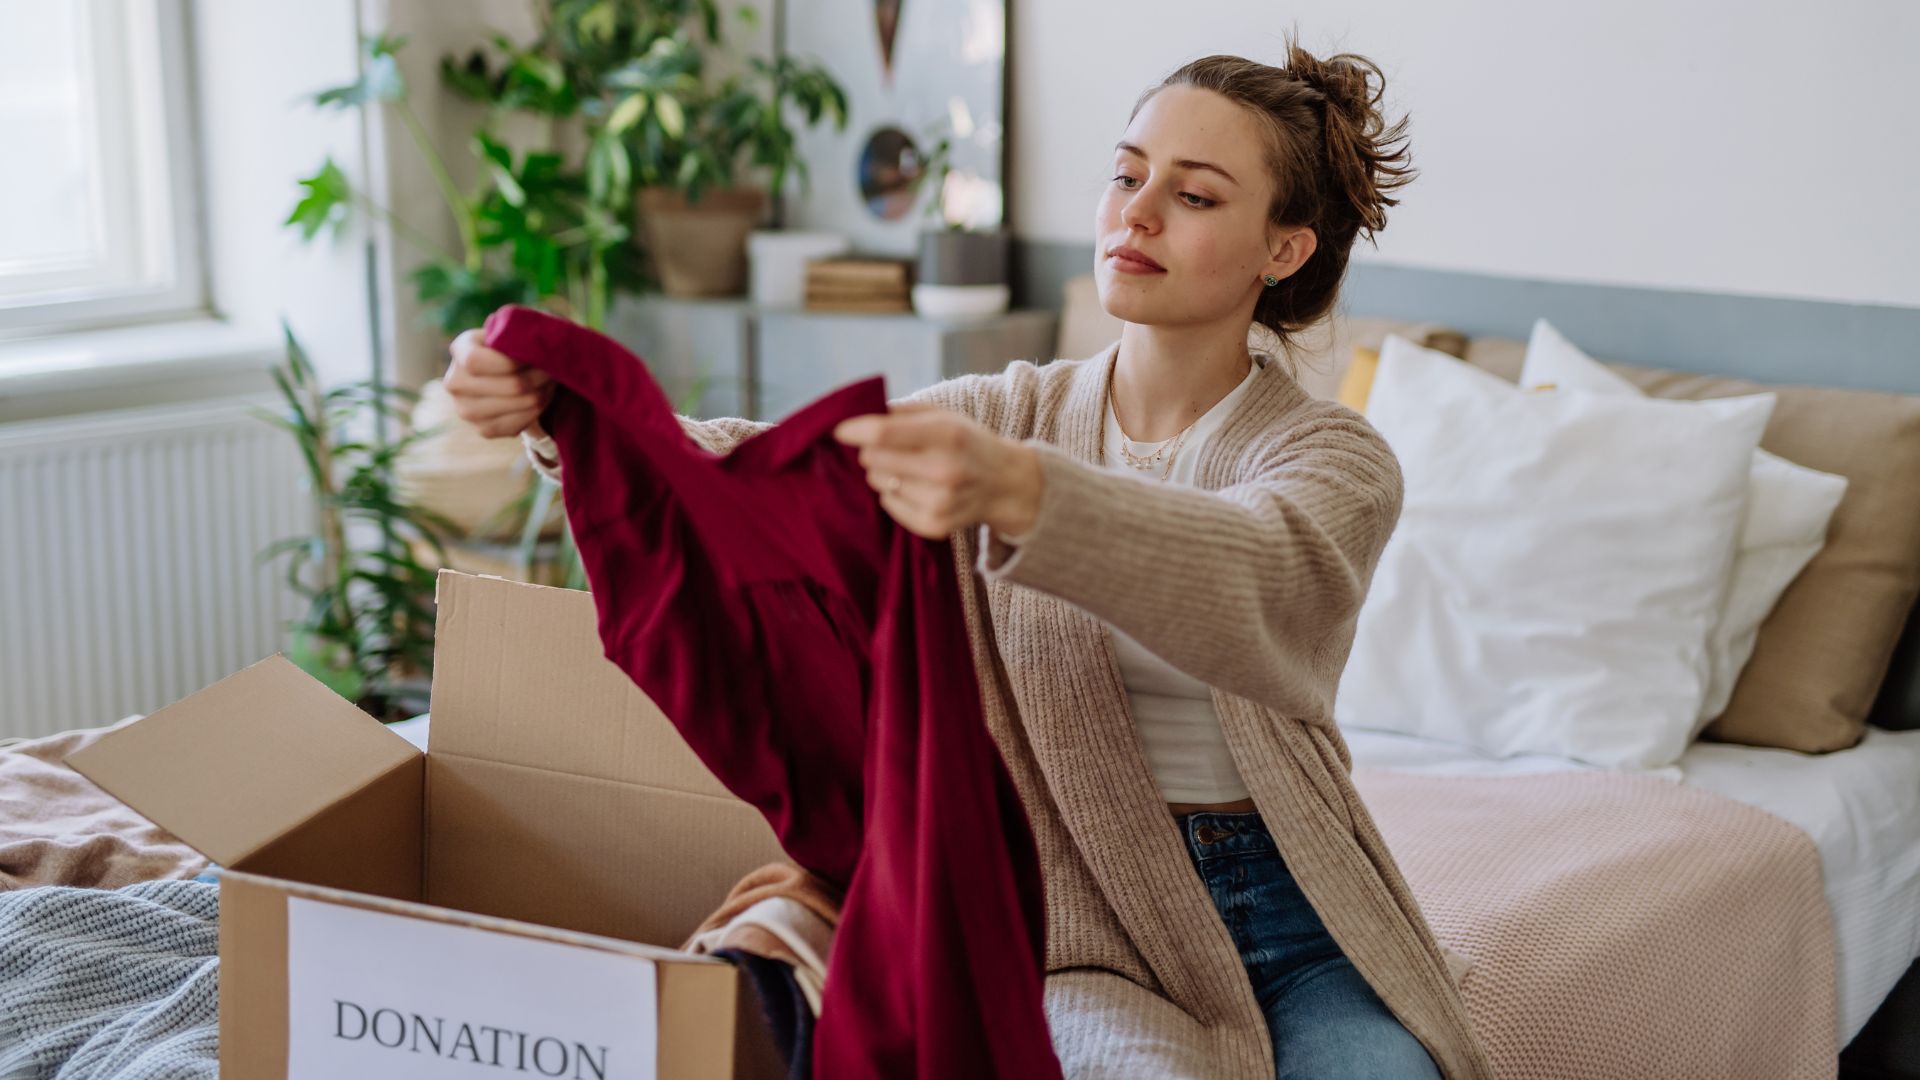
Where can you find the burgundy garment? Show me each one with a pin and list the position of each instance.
(814, 655)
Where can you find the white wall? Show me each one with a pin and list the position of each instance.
(257, 135)
(1759, 148)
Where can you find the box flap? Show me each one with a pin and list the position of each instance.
(520, 677)
(237, 765)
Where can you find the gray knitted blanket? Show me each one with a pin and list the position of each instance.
(110, 983)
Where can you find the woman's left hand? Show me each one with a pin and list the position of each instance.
(938, 471)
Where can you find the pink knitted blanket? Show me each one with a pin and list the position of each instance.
(1620, 925)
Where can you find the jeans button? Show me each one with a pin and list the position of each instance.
(1211, 834)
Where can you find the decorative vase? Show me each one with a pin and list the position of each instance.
(961, 274)
(700, 248)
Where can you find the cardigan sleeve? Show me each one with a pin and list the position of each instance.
(1242, 588)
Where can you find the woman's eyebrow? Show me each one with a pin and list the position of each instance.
(1184, 163)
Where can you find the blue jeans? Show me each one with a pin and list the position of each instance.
(1326, 1022)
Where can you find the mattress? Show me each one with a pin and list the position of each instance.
(1861, 807)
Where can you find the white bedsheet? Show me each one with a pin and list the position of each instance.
(1861, 806)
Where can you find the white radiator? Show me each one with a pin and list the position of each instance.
(127, 558)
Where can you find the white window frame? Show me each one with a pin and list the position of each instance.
(156, 266)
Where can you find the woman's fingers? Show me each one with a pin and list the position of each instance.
(487, 408)
(498, 395)
(474, 361)
(912, 463)
(917, 427)
(506, 426)
(477, 359)
(491, 386)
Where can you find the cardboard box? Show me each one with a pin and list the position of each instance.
(539, 866)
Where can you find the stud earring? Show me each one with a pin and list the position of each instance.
(1270, 280)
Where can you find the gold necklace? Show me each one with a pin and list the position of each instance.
(1166, 452)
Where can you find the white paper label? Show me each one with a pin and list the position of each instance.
(373, 995)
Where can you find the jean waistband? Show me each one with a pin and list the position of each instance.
(1210, 834)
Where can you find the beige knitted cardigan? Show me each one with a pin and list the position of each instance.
(1250, 581)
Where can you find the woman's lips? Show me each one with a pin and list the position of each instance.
(1132, 266)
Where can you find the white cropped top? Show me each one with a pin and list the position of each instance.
(1173, 712)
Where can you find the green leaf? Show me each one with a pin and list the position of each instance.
(627, 113)
(540, 71)
(470, 78)
(672, 117)
(379, 79)
(297, 355)
(499, 162)
(609, 170)
(328, 198)
(598, 22)
(310, 547)
(459, 299)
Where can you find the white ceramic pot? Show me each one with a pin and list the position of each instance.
(777, 263)
(959, 302)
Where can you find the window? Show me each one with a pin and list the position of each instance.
(97, 202)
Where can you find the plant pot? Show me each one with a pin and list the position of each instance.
(961, 257)
(961, 274)
(700, 248)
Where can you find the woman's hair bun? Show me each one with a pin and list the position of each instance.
(1367, 156)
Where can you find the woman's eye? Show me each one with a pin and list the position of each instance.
(1127, 183)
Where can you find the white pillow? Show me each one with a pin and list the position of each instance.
(1558, 562)
(1788, 508)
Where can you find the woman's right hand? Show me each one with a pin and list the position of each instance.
(494, 392)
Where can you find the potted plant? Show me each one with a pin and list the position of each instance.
(535, 228)
(696, 148)
(368, 628)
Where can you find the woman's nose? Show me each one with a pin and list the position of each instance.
(1142, 210)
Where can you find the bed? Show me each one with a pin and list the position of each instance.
(1860, 806)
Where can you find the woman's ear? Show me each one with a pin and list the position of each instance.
(1295, 246)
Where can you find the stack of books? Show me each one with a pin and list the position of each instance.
(862, 283)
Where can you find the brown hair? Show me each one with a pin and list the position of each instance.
(1334, 159)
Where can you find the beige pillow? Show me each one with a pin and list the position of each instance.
(1823, 652)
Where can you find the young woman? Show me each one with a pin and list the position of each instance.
(1164, 548)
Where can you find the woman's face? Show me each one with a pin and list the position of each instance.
(1190, 190)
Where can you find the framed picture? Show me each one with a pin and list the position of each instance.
(915, 71)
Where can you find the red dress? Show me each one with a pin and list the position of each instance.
(814, 655)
